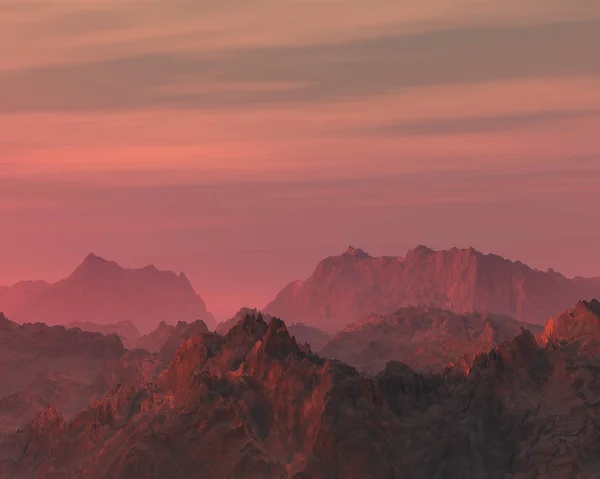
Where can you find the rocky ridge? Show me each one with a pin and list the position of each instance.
(253, 404)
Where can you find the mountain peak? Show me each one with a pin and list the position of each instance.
(356, 252)
(592, 306)
(92, 264)
(422, 250)
(93, 258)
(48, 422)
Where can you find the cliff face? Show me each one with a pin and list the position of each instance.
(348, 287)
(100, 292)
(252, 404)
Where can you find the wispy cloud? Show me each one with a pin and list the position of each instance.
(473, 125)
(321, 73)
(35, 32)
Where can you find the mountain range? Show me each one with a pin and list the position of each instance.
(255, 404)
(428, 340)
(104, 297)
(102, 292)
(126, 330)
(354, 285)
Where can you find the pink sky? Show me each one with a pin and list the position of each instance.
(241, 142)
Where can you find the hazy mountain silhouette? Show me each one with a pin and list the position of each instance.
(102, 292)
(353, 285)
(126, 330)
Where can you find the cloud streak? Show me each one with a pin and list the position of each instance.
(474, 125)
(328, 72)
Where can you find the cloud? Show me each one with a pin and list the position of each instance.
(362, 68)
(462, 125)
(34, 32)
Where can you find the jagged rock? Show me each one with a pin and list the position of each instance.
(252, 404)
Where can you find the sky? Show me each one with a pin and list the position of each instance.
(243, 141)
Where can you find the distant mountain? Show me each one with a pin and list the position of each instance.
(427, 340)
(315, 337)
(154, 340)
(353, 285)
(126, 330)
(252, 404)
(102, 292)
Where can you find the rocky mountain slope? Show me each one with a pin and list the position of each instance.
(102, 292)
(252, 404)
(353, 285)
(427, 340)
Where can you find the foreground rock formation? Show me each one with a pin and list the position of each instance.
(349, 287)
(102, 292)
(253, 404)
